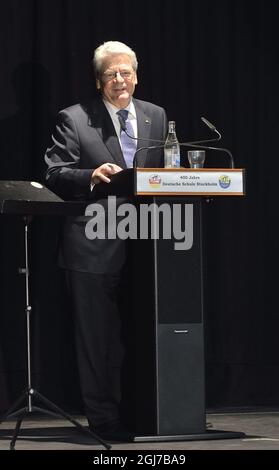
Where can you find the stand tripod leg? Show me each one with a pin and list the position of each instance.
(16, 431)
(30, 392)
(65, 415)
(14, 407)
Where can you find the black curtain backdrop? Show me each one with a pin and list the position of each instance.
(217, 59)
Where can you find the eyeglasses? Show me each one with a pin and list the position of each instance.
(125, 74)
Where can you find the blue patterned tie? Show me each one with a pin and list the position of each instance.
(128, 144)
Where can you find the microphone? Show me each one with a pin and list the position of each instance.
(211, 126)
(186, 144)
(193, 144)
(123, 128)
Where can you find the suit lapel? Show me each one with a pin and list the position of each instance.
(99, 118)
(144, 128)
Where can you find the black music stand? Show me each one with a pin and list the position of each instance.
(28, 198)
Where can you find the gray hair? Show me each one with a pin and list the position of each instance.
(108, 49)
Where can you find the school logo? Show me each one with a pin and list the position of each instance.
(155, 181)
(224, 181)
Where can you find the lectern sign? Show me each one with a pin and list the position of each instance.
(189, 181)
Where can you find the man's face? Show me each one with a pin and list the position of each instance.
(118, 80)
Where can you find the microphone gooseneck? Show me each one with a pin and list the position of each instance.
(124, 129)
(194, 144)
(150, 147)
(186, 144)
(218, 149)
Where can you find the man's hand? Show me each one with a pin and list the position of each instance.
(103, 172)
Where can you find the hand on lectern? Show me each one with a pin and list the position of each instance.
(103, 172)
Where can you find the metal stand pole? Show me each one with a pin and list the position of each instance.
(31, 393)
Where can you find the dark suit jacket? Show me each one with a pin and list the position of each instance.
(84, 139)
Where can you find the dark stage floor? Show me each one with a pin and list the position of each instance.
(261, 429)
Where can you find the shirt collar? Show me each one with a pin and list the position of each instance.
(130, 108)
